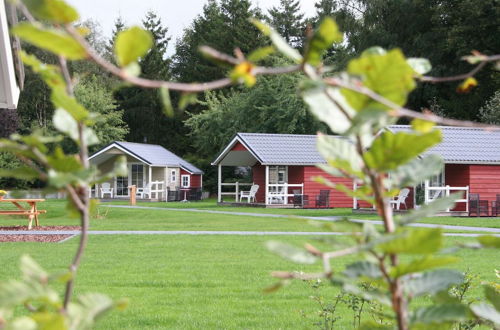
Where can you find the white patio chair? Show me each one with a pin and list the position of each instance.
(249, 195)
(144, 191)
(401, 198)
(106, 189)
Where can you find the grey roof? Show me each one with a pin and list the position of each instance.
(460, 145)
(154, 154)
(464, 145)
(286, 149)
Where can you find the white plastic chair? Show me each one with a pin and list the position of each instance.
(249, 195)
(106, 189)
(401, 198)
(145, 191)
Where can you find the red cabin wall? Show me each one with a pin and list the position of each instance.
(457, 175)
(312, 188)
(239, 147)
(485, 181)
(195, 179)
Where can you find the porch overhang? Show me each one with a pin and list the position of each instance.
(237, 153)
(111, 151)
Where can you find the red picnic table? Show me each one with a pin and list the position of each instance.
(30, 211)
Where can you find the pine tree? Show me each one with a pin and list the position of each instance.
(119, 26)
(288, 21)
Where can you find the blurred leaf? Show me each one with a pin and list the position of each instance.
(418, 265)
(486, 311)
(387, 74)
(23, 173)
(243, 73)
(363, 269)
(49, 73)
(22, 323)
(168, 110)
(340, 153)
(416, 171)
(489, 241)
(278, 41)
(328, 105)
(467, 85)
(55, 41)
(389, 150)
(87, 309)
(56, 11)
(64, 163)
(187, 99)
(410, 241)
(66, 124)
(419, 65)
(50, 320)
(291, 252)
(131, 44)
(432, 282)
(260, 53)
(439, 314)
(133, 69)
(32, 271)
(323, 38)
(493, 296)
(430, 209)
(422, 126)
(61, 99)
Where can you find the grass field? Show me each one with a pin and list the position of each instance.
(188, 282)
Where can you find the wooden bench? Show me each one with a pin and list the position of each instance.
(31, 212)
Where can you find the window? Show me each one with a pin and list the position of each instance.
(278, 174)
(173, 176)
(137, 175)
(185, 181)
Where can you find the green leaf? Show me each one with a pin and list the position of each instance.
(390, 150)
(260, 53)
(66, 124)
(64, 163)
(56, 11)
(32, 271)
(489, 241)
(329, 106)
(432, 282)
(422, 126)
(363, 268)
(55, 41)
(419, 65)
(387, 74)
(23, 173)
(430, 209)
(61, 99)
(291, 252)
(340, 153)
(416, 171)
(414, 241)
(439, 314)
(278, 41)
(131, 44)
(486, 311)
(493, 296)
(418, 265)
(187, 99)
(323, 38)
(50, 320)
(49, 73)
(168, 110)
(22, 323)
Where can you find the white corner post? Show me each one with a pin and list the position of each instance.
(426, 192)
(165, 179)
(150, 180)
(267, 184)
(219, 183)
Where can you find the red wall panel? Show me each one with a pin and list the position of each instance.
(238, 147)
(312, 188)
(259, 177)
(195, 178)
(457, 175)
(485, 181)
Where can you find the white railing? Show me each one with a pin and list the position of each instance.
(236, 192)
(157, 188)
(277, 193)
(432, 193)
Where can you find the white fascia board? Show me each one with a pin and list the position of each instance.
(114, 145)
(8, 81)
(230, 146)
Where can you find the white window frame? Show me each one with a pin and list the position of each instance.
(173, 176)
(188, 180)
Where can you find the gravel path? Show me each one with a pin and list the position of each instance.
(195, 232)
(333, 218)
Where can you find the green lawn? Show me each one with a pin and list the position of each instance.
(211, 204)
(200, 282)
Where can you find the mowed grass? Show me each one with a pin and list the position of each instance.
(200, 282)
